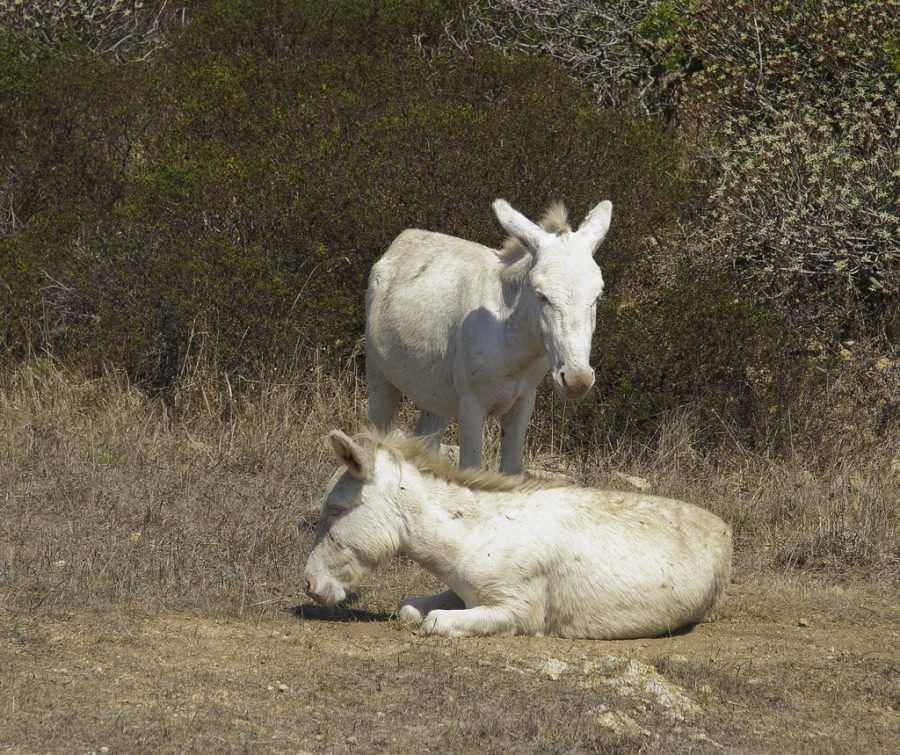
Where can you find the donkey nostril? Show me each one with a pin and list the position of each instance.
(562, 378)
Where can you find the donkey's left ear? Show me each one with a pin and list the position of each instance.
(594, 227)
(517, 225)
(351, 454)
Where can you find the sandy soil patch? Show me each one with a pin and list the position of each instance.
(791, 666)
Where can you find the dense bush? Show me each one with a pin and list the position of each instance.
(790, 110)
(628, 52)
(800, 110)
(689, 344)
(232, 192)
(120, 28)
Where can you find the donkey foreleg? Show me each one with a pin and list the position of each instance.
(430, 427)
(413, 610)
(471, 433)
(481, 620)
(513, 425)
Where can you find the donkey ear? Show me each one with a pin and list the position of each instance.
(517, 225)
(350, 454)
(594, 227)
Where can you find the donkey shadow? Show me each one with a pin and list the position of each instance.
(341, 613)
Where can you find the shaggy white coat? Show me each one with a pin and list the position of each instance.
(467, 331)
(519, 558)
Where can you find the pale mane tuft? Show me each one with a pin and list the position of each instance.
(426, 460)
(555, 220)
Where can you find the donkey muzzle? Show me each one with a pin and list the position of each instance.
(574, 382)
(323, 589)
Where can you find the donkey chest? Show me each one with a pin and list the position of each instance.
(499, 399)
(501, 387)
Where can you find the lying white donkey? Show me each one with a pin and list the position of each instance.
(524, 557)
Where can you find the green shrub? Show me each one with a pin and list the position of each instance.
(692, 344)
(231, 193)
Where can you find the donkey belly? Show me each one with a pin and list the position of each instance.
(422, 373)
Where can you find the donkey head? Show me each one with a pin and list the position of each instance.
(564, 284)
(355, 531)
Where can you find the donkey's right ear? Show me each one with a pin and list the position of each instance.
(517, 225)
(351, 454)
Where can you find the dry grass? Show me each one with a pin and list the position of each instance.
(207, 499)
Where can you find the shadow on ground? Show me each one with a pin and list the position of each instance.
(341, 613)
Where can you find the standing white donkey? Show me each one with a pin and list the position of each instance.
(519, 558)
(467, 331)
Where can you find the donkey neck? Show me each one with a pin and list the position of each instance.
(522, 325)
(437, 516)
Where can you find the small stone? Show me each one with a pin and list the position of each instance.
(802, 622)
(706, 689)
(283, 687)
(845, 354)
(621, 723)
(351, 740)
(320, 737)
(883, 364)
(554, 667)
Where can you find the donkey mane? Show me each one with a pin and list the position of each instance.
(555, 220)
(429, 461)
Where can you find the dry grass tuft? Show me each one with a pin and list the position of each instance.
(115, 496)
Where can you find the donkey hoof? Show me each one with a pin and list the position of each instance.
(409, 614)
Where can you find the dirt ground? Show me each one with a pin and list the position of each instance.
(790, 666)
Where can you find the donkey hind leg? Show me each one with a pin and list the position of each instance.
(383, 398)
(430, 427)
(481, 620)
(413, 610)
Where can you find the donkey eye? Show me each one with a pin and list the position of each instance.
(332, 512)
(542, 297)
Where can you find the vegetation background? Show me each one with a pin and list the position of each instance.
(192, 196)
